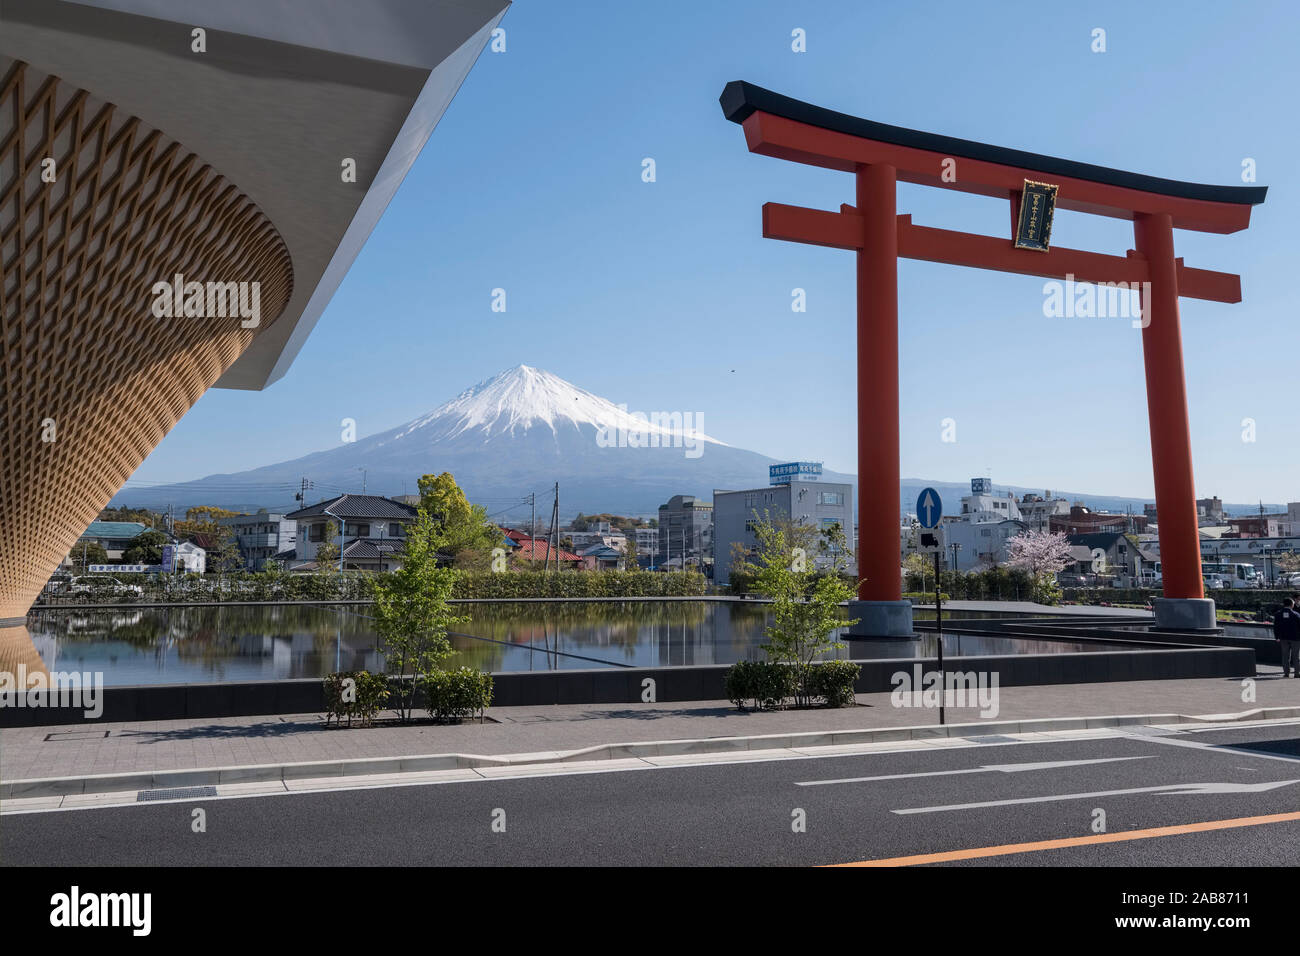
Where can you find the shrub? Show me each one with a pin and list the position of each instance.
(457, 694)
(579, 584)
(766, 683)
(358, 694)
(833, 682)
(739, 682)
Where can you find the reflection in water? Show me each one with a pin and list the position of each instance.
(17, 647)
(202, 644)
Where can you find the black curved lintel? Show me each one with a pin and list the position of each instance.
(740, 99)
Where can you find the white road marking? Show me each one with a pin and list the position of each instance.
(335, 784)
(17, 806)
(988, 768)
(1168, 789)
(1230, 750)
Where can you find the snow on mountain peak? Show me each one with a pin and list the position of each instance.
(523, 397)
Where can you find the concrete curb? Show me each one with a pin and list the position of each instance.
(365, 766)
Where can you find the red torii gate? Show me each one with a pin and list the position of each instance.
(879, 156)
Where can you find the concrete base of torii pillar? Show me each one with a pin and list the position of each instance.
(881, 619)
(1185, 614)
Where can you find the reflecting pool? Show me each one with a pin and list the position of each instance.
(245, 643)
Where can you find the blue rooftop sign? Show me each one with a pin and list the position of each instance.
(794, 471)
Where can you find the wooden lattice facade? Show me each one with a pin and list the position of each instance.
(90, 379)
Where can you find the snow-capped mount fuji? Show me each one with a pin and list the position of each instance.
(519, 399)
(515, 433)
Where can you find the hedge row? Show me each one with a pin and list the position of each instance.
(744, 582)
(355, 585)
(579, 584)
(201, 589)
(994, 584)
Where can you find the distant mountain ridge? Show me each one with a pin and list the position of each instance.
(521, 431)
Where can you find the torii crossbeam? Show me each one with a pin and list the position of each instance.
(880, 156)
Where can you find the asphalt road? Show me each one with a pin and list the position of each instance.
(741, 814)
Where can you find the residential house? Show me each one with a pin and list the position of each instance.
(582, 540)
(373, 530)
(1111, 554)
(601, 557)
(189, 558)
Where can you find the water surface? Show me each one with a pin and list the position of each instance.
(233, 643)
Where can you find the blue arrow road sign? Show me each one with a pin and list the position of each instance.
(929, 507)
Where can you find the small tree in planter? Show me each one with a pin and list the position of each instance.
(411, 611)
(805, 601)
(1042, 554)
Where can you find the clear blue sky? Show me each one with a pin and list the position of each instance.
(650, 294)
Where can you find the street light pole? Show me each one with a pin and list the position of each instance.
(342, 540)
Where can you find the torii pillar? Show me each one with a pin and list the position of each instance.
(880, 156)
(881, 609)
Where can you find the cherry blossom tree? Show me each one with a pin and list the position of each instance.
(1042, 554)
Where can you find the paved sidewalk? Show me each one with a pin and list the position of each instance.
(39, 752)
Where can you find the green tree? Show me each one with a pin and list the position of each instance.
(86, 553)
(464, 530)
(223, 554)
(145, 548)
(202, 520)
(921, 564)
(327, 552)
(411, 613)
(805, 602)
(630, 562)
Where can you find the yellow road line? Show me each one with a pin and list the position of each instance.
(1007, 849)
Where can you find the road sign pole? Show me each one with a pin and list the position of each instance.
(938, 628)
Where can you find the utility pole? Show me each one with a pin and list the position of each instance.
(938, 633)
(555, 528)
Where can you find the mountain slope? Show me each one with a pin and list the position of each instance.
(517, 432)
